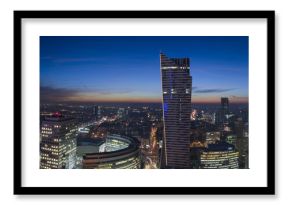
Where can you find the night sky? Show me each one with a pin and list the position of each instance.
(127, 69)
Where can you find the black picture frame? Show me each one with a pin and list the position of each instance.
(268, 190)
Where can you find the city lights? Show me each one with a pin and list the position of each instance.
(131, 107)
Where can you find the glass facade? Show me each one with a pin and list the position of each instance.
(219, 160)
(176, 89)
(57, 143)
(219, 156)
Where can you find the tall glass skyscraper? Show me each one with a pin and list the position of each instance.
(176, 88)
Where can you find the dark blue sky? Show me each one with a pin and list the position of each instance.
(93, 69)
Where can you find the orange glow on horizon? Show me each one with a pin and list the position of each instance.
(145, 98)
(197, 100)
(217, 99)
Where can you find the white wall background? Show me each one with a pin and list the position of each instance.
(282, 98)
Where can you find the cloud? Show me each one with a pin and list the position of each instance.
(213, 90)
(110, 92)
(234, 97)
(194, 88)
(239, 99)
(52, 94)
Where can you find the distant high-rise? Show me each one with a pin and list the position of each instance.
(242, 142)
(100, 112)
(222, 115)
(58, 143)
(121, 112)
(97, 112)
(225, 104)
(176, 88)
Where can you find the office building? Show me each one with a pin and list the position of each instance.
(219, 156)
(243, 147)
(97, 112)
(121, 112)
(225, 105)
(223, 113)
(176, 88)
(58, 142)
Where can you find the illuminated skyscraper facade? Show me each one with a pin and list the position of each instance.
(176, 88)
(219, 156)
(58, 143)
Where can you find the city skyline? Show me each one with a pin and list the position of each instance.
(127, 69)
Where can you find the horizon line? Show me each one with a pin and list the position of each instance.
(156, 102)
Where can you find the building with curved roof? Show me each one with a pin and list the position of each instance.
(117, 152)
(219, 156)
